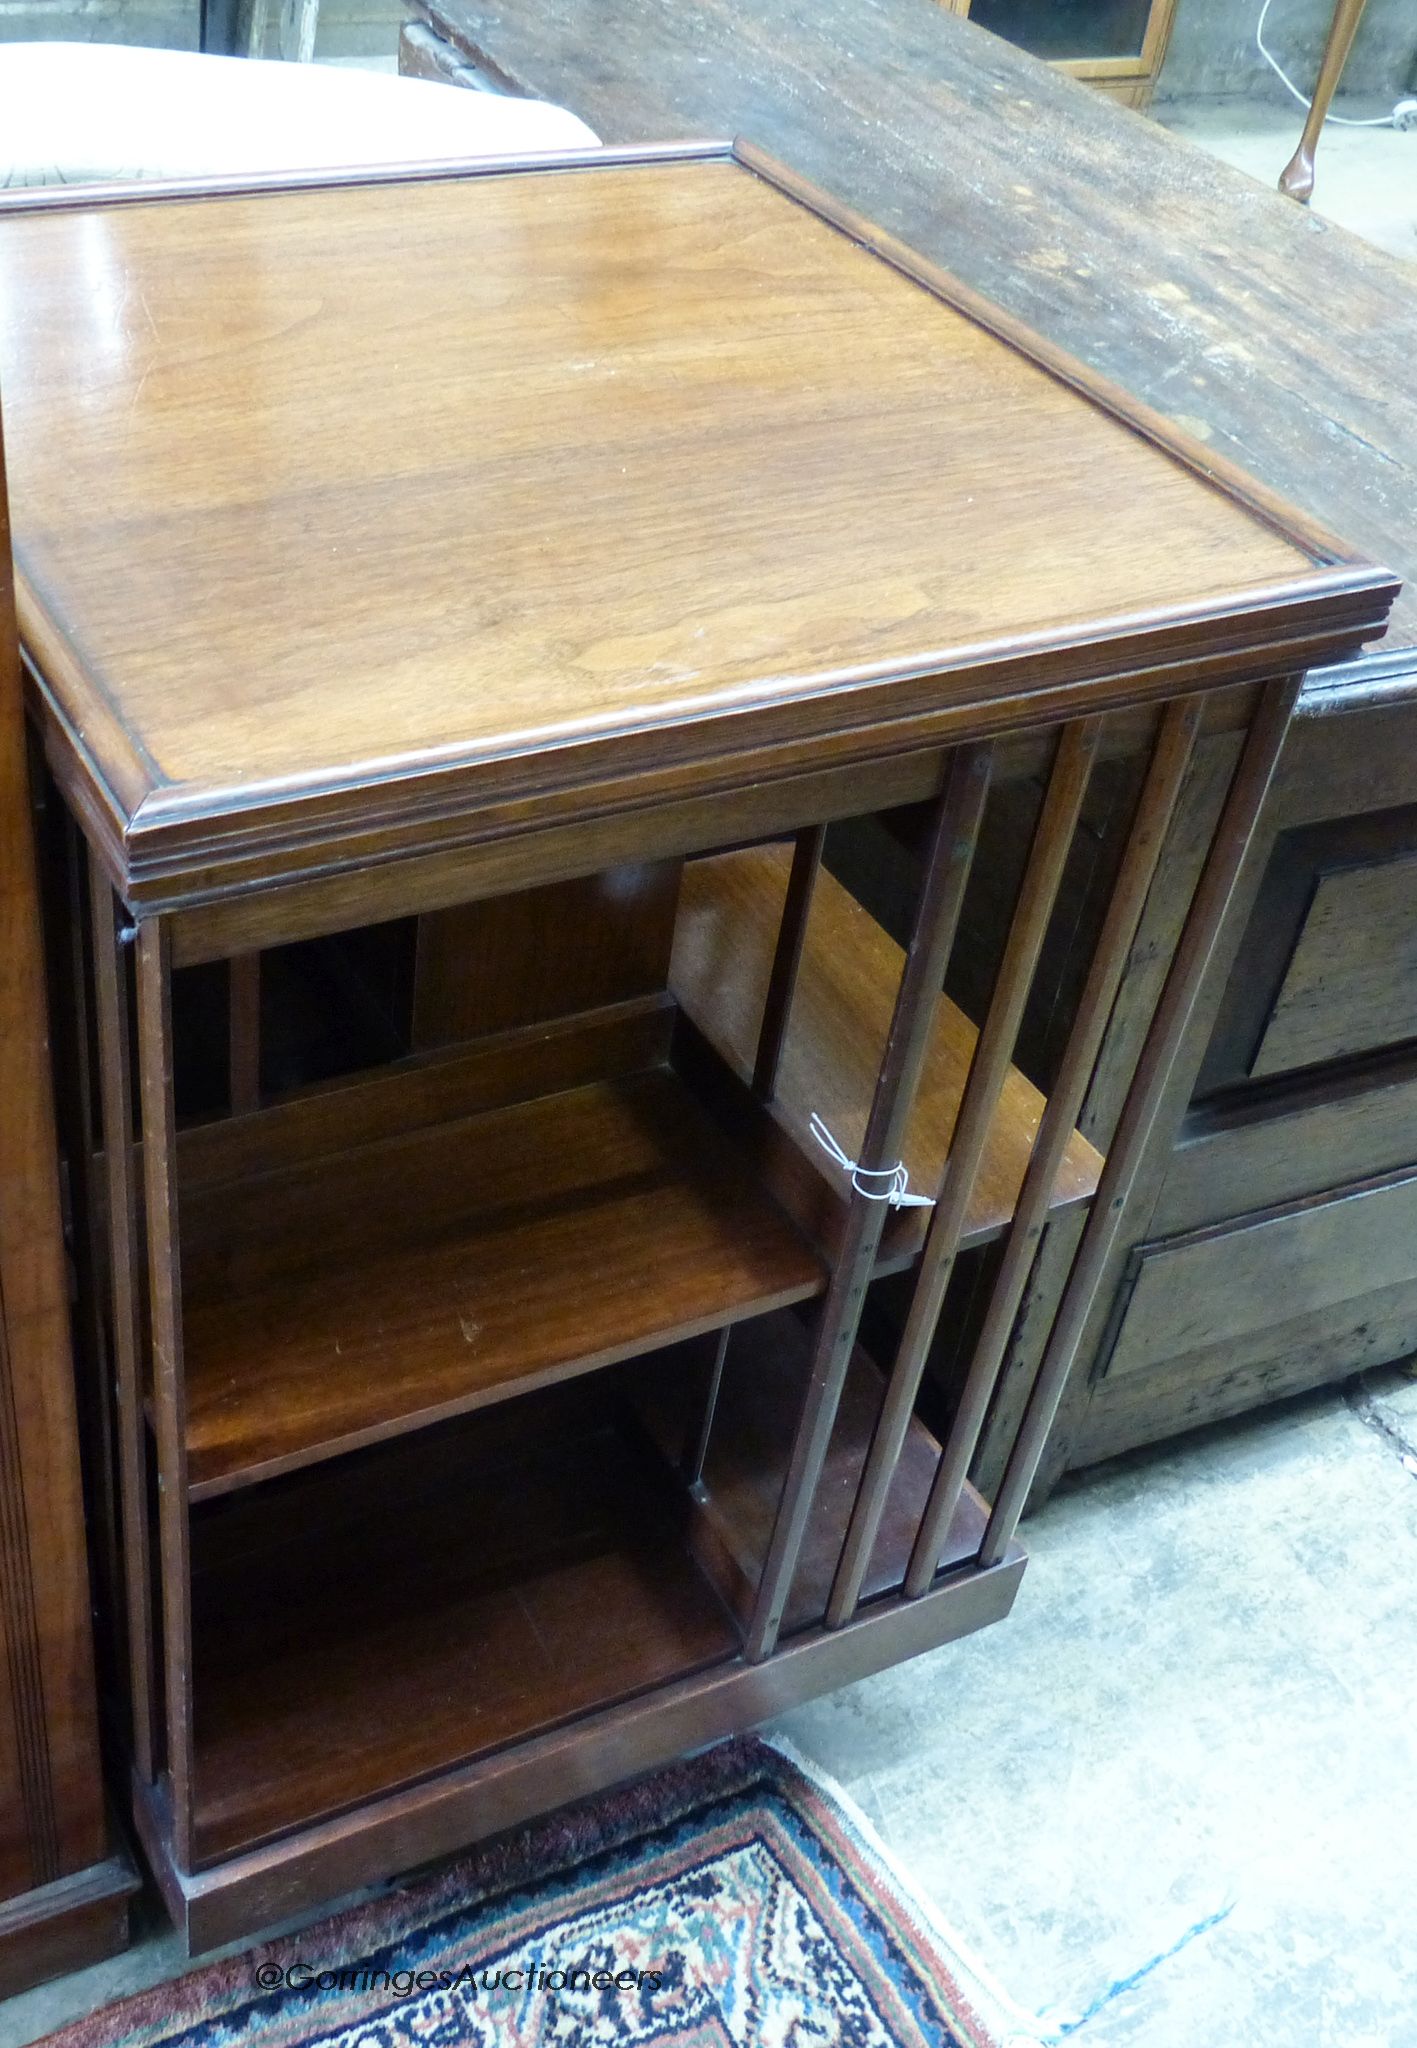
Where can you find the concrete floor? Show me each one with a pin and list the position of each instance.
(1366, 178)
(1207, 1694)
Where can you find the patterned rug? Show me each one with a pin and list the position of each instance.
(726, 1902)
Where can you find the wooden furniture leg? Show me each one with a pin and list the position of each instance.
(169, 1403)
(298, 22)
(237, 28)
(1297, 177)
(250, 27)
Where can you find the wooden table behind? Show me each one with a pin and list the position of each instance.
(1283, 340)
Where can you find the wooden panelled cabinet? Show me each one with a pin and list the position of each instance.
(64, 1883)
(1273, 1245)
(498, 1308)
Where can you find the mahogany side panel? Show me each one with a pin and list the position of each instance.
(53, 1826)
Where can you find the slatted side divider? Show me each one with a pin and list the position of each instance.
(1213, 895)
(993, 1052)
(958, 815)
(1036, 902)
(946, 870)
(111, 984)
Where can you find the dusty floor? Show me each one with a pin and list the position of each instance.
(1207, 1695)
(1366, 178)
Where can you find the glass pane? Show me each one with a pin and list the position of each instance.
(1067, 28)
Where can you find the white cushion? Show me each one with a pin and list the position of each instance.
(73, 112)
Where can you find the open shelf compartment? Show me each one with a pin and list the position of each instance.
(532, 1563)
(730, 913)
(464, 1226)
(732, 1509)
(481, 1286)
(354, 1294)
(527, 1565)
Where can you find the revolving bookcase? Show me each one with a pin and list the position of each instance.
(462, 612)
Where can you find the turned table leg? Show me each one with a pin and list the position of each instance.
(298, 22)
(1297, 178)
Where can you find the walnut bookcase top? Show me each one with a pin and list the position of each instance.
(349, 512)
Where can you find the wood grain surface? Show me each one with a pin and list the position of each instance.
(66, 1905)
(1280, 339)
(329, 501)
(51, 1816)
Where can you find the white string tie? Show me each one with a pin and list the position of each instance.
(892, 1182)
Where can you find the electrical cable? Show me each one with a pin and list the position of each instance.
(1403, 115)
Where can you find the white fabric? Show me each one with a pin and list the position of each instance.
(74, 112)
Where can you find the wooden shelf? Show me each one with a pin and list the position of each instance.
(729, 916)
(527, 1565)
(350, 1296)
(733, 1509)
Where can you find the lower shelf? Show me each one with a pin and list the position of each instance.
(370, 1623)
(367, 1624)
(303, 1868)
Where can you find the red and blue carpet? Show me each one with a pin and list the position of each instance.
(726, 1902)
